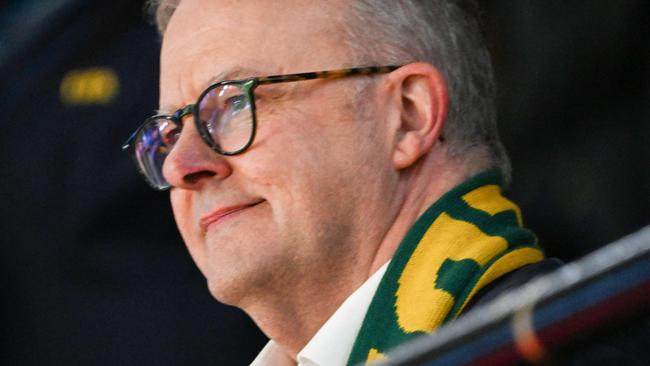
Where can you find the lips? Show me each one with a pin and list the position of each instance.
(223, 212)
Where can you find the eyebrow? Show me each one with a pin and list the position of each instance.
(237, 72)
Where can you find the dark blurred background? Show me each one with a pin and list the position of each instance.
(93, 270)
(574, 115)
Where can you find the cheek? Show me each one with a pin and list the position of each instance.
(281, 152)
(311, 154)
(182, 204)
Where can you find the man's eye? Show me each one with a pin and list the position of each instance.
(235, 103)
(169, 136)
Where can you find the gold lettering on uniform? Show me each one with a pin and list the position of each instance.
(92, 86)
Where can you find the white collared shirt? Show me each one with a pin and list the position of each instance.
(333, 342)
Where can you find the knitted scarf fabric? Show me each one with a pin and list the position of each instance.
(465, 240)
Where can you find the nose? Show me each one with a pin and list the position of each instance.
(192, 163)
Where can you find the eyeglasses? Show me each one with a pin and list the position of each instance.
(224, 116)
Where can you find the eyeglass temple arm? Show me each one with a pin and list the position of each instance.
(129, 141)
(327, 74)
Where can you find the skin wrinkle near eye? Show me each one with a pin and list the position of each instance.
(273, 100)
(270, 107)
(279, 101)
(270, 99)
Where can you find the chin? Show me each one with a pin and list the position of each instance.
(226, 292)
(233, 284)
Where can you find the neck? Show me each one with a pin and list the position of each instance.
(292, 319)
(423, 185)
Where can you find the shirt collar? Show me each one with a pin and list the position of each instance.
(333, 342)
(272, 354)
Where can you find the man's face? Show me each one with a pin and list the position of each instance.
(296, 210)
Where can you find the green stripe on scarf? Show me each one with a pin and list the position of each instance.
(465, 240)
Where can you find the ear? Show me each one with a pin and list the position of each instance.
(421, 99)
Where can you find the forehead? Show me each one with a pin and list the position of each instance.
(207, 40)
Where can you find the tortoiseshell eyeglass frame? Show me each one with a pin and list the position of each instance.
(248, 87)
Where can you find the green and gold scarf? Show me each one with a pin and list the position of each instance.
(468, 238)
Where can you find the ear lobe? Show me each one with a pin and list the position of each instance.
(407, 151)
(423, 106)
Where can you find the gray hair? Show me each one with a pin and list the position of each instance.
(444, 33)
(162, 11)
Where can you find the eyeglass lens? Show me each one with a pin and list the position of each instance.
(225, 120)
(226, 116)
(154, 142)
